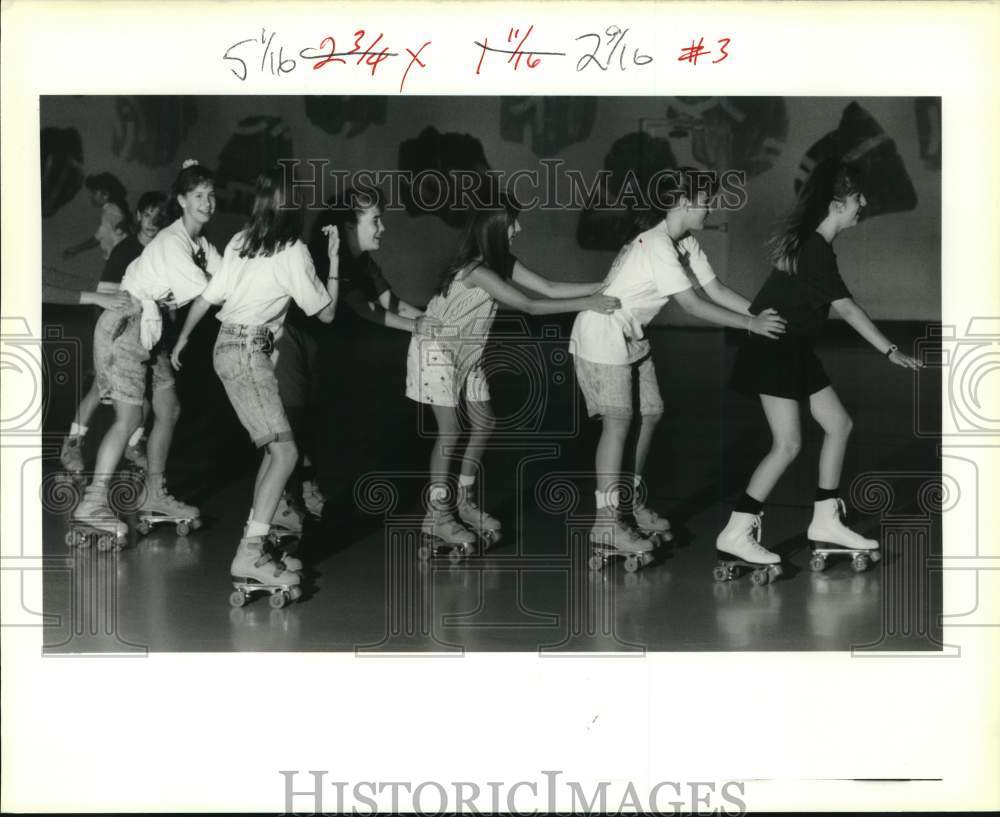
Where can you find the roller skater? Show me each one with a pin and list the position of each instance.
(254, 570)
(93, 519)
(444, 365)
(804, 285)
(647, 521)
(135, 453)
(71, 458)
(831, 537)
(264, 268)
(159, 507)
(612, 537)
(739, 545)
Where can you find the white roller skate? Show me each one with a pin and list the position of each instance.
(253, 570)
(477, 520)
(443, 534)
(93, 519)
(739, 546)
(71, 458)
(312, 498)
(611, 537)
(831, 537)
(651, 524)
(159, 507)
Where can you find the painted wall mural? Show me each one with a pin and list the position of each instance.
(332, 114)
(150, 129)
(257, 144)
(549, 124)
(62, 167)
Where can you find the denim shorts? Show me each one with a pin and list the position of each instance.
(121, 362)
(242, 359)
(611, 390)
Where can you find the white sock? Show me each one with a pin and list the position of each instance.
(606, 499)
(257, 529)
(438, 493)
(137, 435)
(638, 480)
(465, 481)
(77, 430)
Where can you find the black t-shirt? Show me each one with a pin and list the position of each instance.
(803, 298)
(124, 253)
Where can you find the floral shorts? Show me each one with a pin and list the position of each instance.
(121, 362)
(438, 373)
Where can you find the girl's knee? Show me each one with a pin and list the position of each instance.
(844, 426)
(616, 426)
(652, 419)
(787, 448)
(285, 453)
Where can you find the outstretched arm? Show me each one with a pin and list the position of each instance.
(725, 297)
(511, 296)
(199, 306)
(551, 289)
(768, 323)
(862, 324)
(375, 312)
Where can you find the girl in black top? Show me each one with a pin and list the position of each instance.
(803, 286)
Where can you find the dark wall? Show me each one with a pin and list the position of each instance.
(892, 262)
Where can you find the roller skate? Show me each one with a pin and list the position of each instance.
(254, 570)
(831, 537)
(738, 546)
(313, 499)
(611, 537)
(477, 520)
(443, 534)
(286, 524)
(136, 455)
(159, 507)
(93, 520)
(651, 525)
(71, 458)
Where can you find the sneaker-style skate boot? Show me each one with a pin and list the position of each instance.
(830, 536)
(477, 520)
(312, 498)
(738, 546)
(443, 534)
(651, 525)
(71, 458)
(254, 569)
(93, 519)
(159, 507)
(136, 455)
(612, 537)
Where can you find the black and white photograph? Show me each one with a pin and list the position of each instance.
(472, 408)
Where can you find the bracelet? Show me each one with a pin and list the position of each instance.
(891, 349)
(333, 278)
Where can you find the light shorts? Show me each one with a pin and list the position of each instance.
(242, 359)
(609, 389)
(438, 373)
(121, 362)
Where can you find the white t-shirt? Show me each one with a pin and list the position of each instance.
(257, 291)
(645, 273)
(166, 272)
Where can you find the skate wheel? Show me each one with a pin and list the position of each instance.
(876, 556)
(144, 526)
(595, 562)
(774, 571)
(817, 564)
(196, 523)
(759, 577)
(721, 573)
(631, 564)
(456, 555)
(70, 538)
(423, 553)
(646, 559)
(278, 600)
(295, 593)
(183, 528)
(105, 543)
(237, 598)
(859, 564)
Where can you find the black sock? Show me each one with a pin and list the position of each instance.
(747, 504)
(827, 493)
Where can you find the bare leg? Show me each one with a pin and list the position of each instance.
(127, 419)
(786, 432)
(166, 411)
(483, 421)
(274, 471)
(836, 423)
(610, 451)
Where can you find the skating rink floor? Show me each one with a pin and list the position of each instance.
(367, 591)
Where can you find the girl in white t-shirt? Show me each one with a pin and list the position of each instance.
(612, 354)
(264, 268)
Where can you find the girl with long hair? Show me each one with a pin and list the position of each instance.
(444, 365)
(264, 268)
(804, 284)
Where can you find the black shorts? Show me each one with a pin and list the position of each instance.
(781, 368)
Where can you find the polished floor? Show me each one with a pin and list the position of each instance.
(368, 592)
